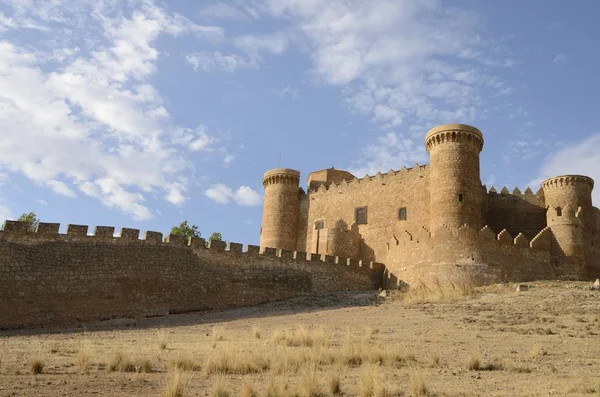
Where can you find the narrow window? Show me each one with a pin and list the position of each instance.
(361, 215)
(402, 214)
(558, 211)
(460, 197)
(319, 224)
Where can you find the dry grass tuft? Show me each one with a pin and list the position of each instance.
(277, 387)
(433, 360)
(176, 385)
(537, 350)
(83, 357)
(417, 385)
(123, 363)
(219, 388)
(370, 383)
(161, 337)
(256, 332)
(184, 363)
(301, 337)
(247, 390)
(216, 336)
(436, 292)
(36, 366)
(475, 364)
(227, 360)
(335, 387)
(308, 384)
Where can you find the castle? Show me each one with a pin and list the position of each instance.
(438, 220)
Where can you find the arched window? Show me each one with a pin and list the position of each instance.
(460, 197)
(558, 211)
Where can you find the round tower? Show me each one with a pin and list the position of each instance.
(569, 213)
(454, 182)
(281, 209)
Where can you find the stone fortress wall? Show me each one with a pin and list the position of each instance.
(47, 278)
(438, 220)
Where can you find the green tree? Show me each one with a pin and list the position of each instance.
(31, 219)
(186, 230)
(216, 236)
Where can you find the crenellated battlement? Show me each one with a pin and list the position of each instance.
(454, 133)
(467, 234)
(558, 182)
(15, 231)
(527, 193)
(392, 175)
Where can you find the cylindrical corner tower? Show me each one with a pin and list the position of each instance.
(281, 209)
(454, 182)
(568, 201)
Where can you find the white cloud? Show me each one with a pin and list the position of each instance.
(562, 59)
(254, 44)
(244, 196)
(582, 158)
(404, 63)
(42, 202)
(216, 61)
(94, 123)
(287, 91)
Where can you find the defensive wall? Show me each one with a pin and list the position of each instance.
(471, 257)
(47, 278)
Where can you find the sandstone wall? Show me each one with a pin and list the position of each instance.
(382, 194)
(517, 212)
(51, 279)
(471, 257)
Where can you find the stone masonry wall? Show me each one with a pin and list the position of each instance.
(517, 212)
(382, 194)
(51, 279)
(471, 257)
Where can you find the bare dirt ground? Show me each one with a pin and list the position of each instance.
(495, 342)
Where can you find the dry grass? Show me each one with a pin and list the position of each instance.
(247, 390)
(227, 360)
(308, 383)
(82, 359)
(219, 388)
(161, 337)
(433, 360)
(371, 383)
(216, 336)
(176, 385)
(537, 350)
(36, 366)
(335, 387)
(476, 364)
(436, 292)
(184, 363)
(301, 337)
(256, 332)
(123, 363)
(417, 385)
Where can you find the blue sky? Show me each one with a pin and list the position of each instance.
(145, 113)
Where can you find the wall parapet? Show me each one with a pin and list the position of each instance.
(378, 177)
(467, 234)
(17, 232)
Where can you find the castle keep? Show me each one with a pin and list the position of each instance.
(438, 220)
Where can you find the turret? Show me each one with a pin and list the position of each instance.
(454, 182)
(281, 209)
(569, 213)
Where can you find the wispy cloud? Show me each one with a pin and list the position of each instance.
(287, 91)
(95, 124)
(216, 61)
(244, 195)
(562, 59)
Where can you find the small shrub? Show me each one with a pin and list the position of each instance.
(121, 362)
(184, 364)
(36, 366)
(83, 361)
(474, 363)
